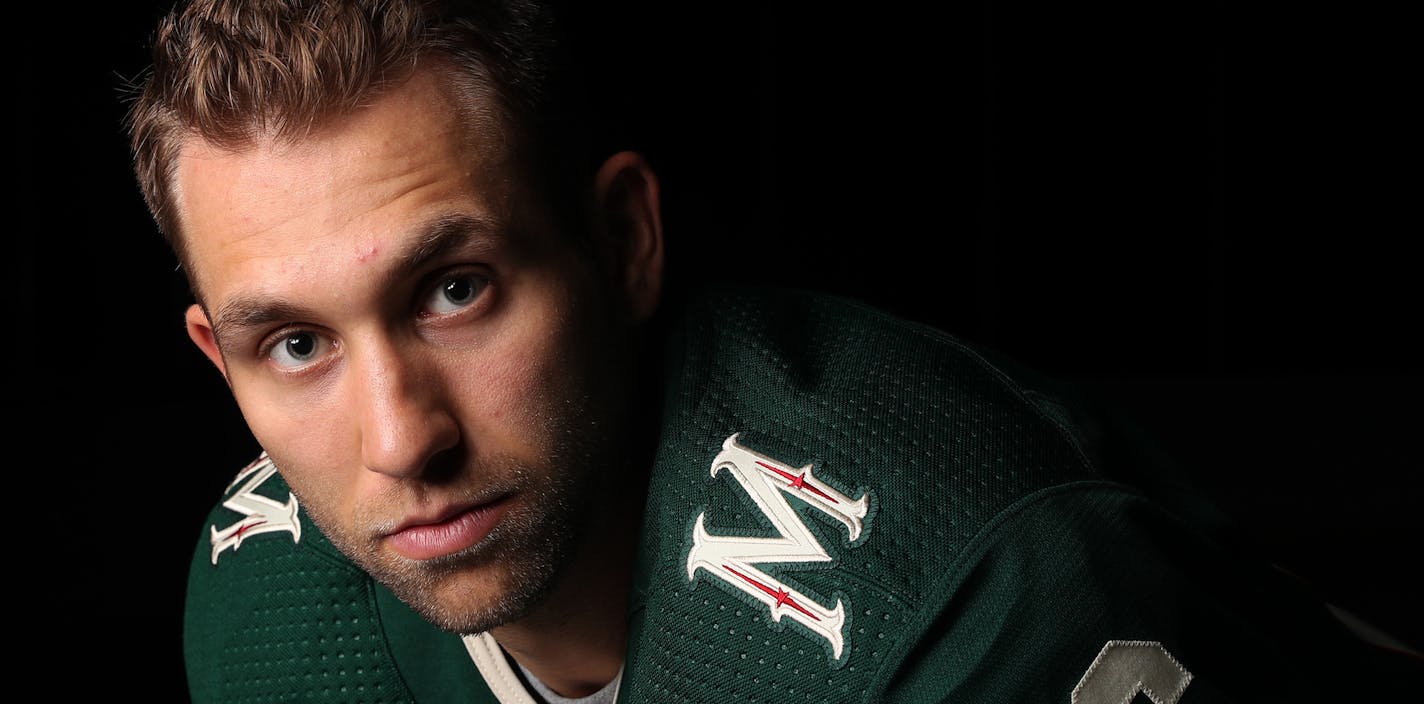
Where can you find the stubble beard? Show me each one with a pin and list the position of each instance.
(524, 554)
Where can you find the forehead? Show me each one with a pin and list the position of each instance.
(415, 147)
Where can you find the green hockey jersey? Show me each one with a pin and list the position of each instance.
(844, 507)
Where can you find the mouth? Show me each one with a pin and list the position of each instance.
(446, 532)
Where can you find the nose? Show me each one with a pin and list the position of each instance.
(405, 418)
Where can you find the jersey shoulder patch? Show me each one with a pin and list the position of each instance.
(275, 612)
(259, 512)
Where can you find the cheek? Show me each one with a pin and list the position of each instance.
(307, 436)
(524, 385)
(506, 388)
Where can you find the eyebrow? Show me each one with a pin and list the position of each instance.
(469, 234)
(465, 233)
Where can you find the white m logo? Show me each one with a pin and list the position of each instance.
(260, 514)
(733, 558)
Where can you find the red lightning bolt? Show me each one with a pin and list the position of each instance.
(781, 595)
(245, 527)
(798, 481)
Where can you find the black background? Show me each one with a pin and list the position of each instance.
(1204, 215)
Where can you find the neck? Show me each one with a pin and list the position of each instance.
(574, 642)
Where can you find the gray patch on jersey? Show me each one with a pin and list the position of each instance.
(1125, 667)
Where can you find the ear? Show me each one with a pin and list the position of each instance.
(200, 331)
(629, 224)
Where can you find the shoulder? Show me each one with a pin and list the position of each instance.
(274, 611)
(812, 378)
(822, 360)
(824, 469)
(862, 508)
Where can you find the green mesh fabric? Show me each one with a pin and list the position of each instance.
(283, 621)
(942, 440)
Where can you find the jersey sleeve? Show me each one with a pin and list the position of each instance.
(1089, 593)
(274, 613)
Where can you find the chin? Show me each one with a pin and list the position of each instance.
(467, 602)
(501, 580)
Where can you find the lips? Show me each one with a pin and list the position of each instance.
(448, 533)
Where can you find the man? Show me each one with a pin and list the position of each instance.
(500, 466)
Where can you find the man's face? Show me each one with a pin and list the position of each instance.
(431, 366)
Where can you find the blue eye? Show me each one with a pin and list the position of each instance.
(299, 349)
(452, 293)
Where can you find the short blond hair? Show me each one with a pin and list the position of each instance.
(230, 71)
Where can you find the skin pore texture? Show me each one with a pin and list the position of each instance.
(443, 379)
